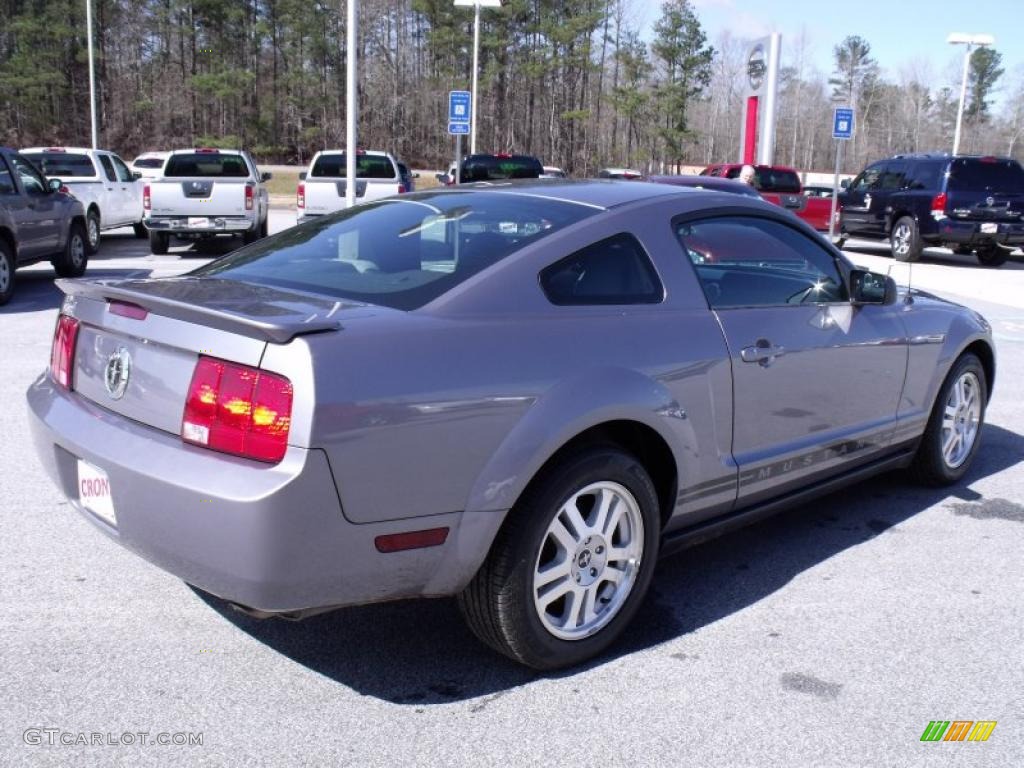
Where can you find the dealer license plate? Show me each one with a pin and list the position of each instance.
(94, 492)
(989, 228)
(198, 221)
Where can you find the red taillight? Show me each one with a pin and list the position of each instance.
(237, 409)
(147, 201)
(300, 196)
(939, 202)
(62, 355)
(207, 151)
(55, 149)
(399, 542)
(248, 198)
(401, 189)
(127, 309)
(65, 189)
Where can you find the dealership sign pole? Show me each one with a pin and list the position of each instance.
(351, 118)
(842, 130)
(460, 114)
(757, 131)
(92, 71)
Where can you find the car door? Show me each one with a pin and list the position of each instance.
(816, 379)
(111, 204)
(39, 213)
(890, 186)
(128, 191)
(857, 201)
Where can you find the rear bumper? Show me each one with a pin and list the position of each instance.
(216, 224)
(271, 538)
(969, 233)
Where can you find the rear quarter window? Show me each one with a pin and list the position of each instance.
(63, 165)
(984, 175)
(616, 270)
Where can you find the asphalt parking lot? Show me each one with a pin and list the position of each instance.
(827, 636)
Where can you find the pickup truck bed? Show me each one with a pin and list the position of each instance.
(781, 186)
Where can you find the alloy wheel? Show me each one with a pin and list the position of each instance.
(961, 420)
(901, 239)
(588, 561)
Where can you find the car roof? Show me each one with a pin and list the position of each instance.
(597, 193)
(376, 152)
(56, 148)
(194, 150)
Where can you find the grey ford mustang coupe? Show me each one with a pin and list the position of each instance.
(518, 394)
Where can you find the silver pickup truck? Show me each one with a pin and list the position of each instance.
(204, 193)
(323, 186)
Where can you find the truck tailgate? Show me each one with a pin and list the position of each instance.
(328, 195)
(198, 197)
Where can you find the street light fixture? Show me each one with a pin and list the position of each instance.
(960, 38)
(477, 4)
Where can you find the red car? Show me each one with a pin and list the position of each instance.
(781, 186)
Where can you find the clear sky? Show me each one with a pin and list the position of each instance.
(902, 33)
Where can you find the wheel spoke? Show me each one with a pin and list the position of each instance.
(585, 614)
(565, 538)
(566, 588)
(949, 417)
(607, 510)
(560, 570)
(571, 513)
(950, 446)
(620, 554)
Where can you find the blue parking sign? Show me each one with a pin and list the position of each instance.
(842, 123)
(459, 107)
(458, 128)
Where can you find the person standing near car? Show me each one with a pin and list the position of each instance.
(747, 174)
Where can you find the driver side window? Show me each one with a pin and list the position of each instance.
(30, 178)
(866, 180)
(744, 261)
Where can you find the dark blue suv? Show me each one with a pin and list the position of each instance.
(968, 203)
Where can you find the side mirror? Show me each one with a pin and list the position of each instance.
(136, 175)
(845, 183)
(54, 185)
(872, 288)
(266, 176)
(302, 175)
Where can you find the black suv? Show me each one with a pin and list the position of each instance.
(967, 203)
(499, 168)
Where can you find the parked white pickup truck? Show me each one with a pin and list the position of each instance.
(109, 191)
(322, 187)
(203, 193)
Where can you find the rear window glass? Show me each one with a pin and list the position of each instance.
(207, 164)
(367, 167)
(771, 179)
(148, 162)
(986, 175)
(62, 164)
(491, 167)
(614, 271)
(400, 253)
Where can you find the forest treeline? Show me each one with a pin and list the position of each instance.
(576, 82)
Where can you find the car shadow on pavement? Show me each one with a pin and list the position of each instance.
(419, 652)
(939, 256)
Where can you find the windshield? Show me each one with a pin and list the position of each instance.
(148, 162)
(986, 175)
(367, 167)
(62, 164)
(207, 164)
(494, 167)
(400, 253)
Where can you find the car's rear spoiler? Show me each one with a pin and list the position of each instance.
(286, 314)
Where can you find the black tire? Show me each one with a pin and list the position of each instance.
(498, 605)
(159, 242)
(905, 240)
(6, 272)
(993, 256)
(72, 261)
(251, 235)
(92, 231)
(930, 466)
(265, 227)
(140, 230)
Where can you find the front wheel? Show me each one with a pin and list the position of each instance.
(71, 262)
(571, 565)
(906, 240)
(6, 272)
(993, 256)
(952, 436)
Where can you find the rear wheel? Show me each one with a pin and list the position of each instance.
(159, 242)
(963, 250)
(71, 262)
(92, 231)
(572, 563)
(264, 227)
(993, 256)
(952, 436)
(6, 272)
(905, 240)
(140, 230)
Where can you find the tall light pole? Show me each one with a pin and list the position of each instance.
(959, 38)
(351, 117)
(477, 4)
(92, 72)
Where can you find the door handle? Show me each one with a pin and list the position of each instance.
(763, 352)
